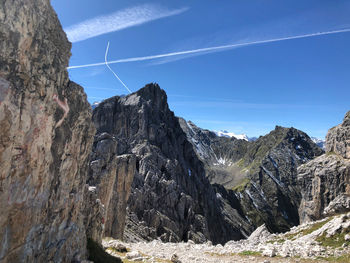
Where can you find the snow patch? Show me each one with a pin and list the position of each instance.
(273, 177)
(231, 134)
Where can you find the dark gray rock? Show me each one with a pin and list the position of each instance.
(111, 175)
(170, 198)
(259, 177)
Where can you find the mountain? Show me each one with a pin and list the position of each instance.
(320, 143)
(261, 174)
(95, 104)
(231, 134)
(170, 197)
(189, 183)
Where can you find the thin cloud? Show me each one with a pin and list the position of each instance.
(119, 20)
(227, 104)
(200, 51)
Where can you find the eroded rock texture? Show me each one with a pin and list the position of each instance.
(325, 181)
(170, 198)
(45, 139)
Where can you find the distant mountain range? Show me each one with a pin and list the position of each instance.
(227, 134)
(320, 143)
(224, 133)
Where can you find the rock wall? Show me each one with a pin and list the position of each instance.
(111, 174)
(327, 178)
(170, 197)
(45, 139)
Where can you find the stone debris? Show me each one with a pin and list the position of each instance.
(260, 247)
(121, 248)
(133, 255)
(175, 258)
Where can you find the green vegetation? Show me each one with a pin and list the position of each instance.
(332, 153)
(340, 259)
(98, 255)
(242, 185)
(335, 241)
(315, 226)
(249, 253)
(276, 240)
(292, 236)
(312, 228)
(240, 164)
(125, 260)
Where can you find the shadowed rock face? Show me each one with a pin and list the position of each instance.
(325, 181)
(170, 197)
(45, 139)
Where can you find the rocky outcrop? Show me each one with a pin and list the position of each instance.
(259, 177)
(45, 139)
(326, 240)
(170, 198)
(111, 175)
(325, 181)
(338, 138)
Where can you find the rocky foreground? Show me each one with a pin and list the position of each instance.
(326, 240)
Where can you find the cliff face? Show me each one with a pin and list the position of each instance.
(325, 181)
(170, 197)
(111, 174)
(259, 177)
(45, 139)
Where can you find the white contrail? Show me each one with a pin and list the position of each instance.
(119, 20)
(106, 63)
(208, 49)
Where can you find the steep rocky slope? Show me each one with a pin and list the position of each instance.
(46, 135)
(111, 175)
(170, 198)
(261, 173)
(325, 181)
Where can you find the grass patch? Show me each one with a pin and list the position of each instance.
(125, 260)
(98, 255)
(331, 153)
(249, 253)
(292, 236)
(334, 241)
(242, 185)
(213, 254)
(280, 241)
(315, 226)
(340, 259)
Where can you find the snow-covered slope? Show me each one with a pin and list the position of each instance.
(231, 134)
(95, 104)
(320, 143)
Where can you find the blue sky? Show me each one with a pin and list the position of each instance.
(277, 62)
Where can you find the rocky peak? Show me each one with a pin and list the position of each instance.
(170, 197)
(338, 138)
(154, 96)
(257, 171)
